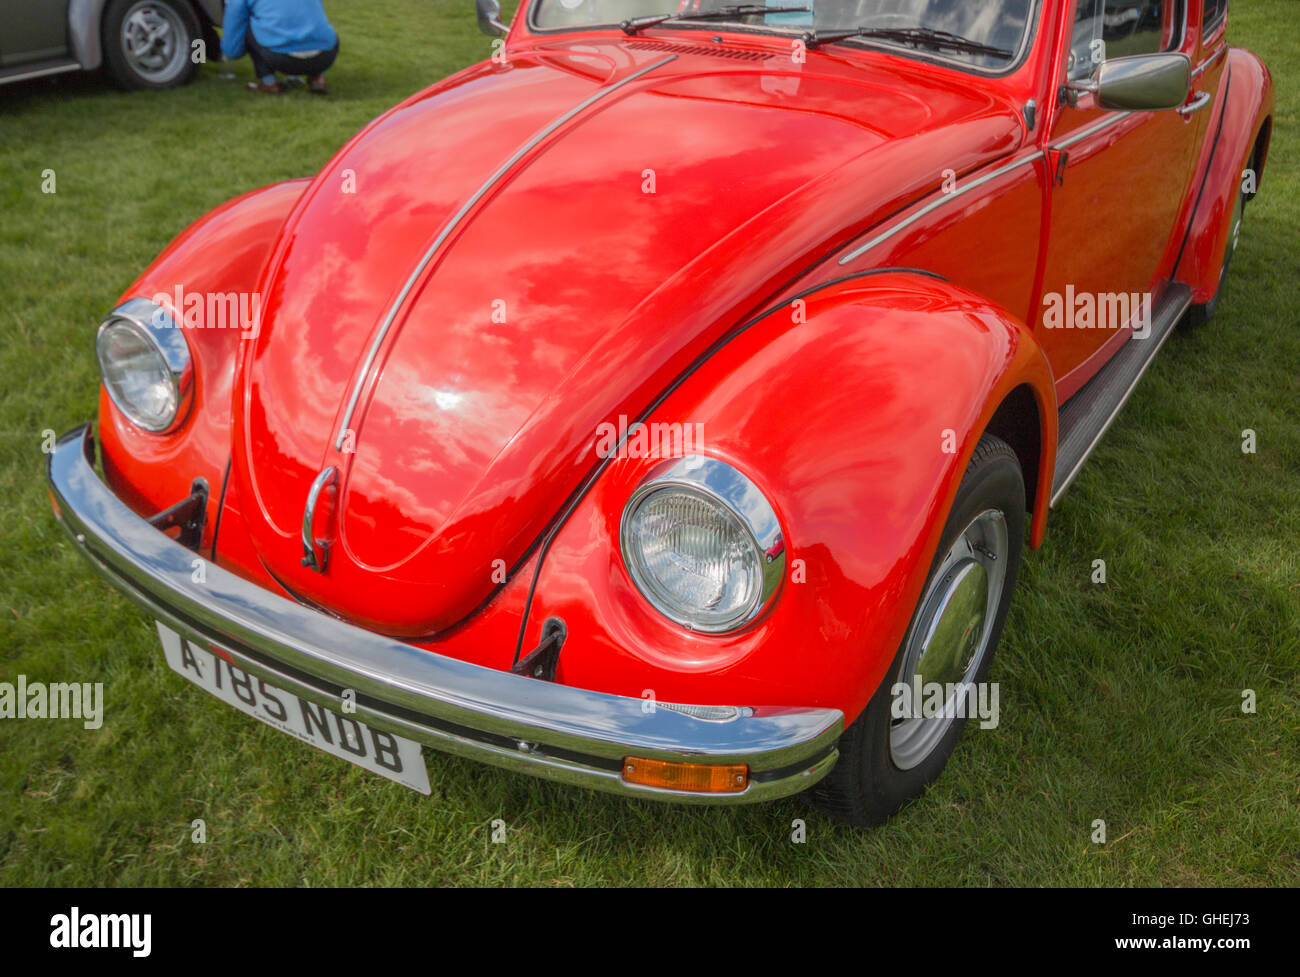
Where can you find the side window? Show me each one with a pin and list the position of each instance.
(1086, 46)
(1119, 28)
(1215, 11)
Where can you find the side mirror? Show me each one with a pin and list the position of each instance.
(489, 18)
(1141, 83)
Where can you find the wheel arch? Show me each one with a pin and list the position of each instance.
(1020, 420)
(86, 22)
(1259, 153)
(856, 412)
(85, 18)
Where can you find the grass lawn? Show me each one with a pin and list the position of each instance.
(1119, 702)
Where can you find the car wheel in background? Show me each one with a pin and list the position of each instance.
(149, 43)
(887, 760)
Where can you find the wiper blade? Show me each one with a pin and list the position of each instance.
(921, 36)
(722, 13)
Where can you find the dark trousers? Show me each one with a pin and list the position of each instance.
(265, 61)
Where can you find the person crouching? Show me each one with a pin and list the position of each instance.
(290, 37)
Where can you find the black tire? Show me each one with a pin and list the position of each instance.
(1199, 315)
(866, 787)
(168, 61)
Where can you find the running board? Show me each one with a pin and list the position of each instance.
(38, 69)
(1085, 417)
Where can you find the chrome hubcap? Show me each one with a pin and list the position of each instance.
(153, 41)
(949, 640)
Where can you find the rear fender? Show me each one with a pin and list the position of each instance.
(1242, 110)
(855, 409)
(83, 32)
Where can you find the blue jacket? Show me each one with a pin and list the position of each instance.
(279, 25)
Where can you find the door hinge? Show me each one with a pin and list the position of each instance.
(1057, 160)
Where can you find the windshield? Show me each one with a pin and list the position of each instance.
(995, 24)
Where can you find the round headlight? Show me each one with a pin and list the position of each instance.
(145, 363)
(702, 544)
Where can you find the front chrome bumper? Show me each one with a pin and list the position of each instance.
(524, 724)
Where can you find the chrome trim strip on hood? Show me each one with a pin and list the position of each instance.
(360, 379)
(936, 204)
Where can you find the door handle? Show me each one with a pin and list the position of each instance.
(1202, 99)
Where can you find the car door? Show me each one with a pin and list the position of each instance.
(1209, 22)
(32, 30)
(1117, 181)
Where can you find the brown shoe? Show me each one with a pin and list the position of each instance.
(316, 85)
(275, 88)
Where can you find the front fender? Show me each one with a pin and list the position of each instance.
(855, 409)
(1243, 108)
(220, 254)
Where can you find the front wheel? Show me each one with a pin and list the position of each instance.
(150, 43)
(893, 751)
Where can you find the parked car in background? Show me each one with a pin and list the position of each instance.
(140, 43)
(656, 405)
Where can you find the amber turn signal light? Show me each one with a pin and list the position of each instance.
(702, 778)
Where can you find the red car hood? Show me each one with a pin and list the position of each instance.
(571, 290)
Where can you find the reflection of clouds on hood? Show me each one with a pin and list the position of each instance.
(569, 248)
(349, 253)
(483, 427)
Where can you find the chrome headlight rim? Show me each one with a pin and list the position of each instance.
(155, 325)
(725, 485)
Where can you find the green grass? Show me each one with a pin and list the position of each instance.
(1119, 702)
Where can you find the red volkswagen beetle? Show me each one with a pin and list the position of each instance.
(661, 405)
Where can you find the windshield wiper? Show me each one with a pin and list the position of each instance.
(722, 13)
(920, 36)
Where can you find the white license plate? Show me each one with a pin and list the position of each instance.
(377, 750)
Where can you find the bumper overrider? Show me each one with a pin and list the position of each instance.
(524, 724)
